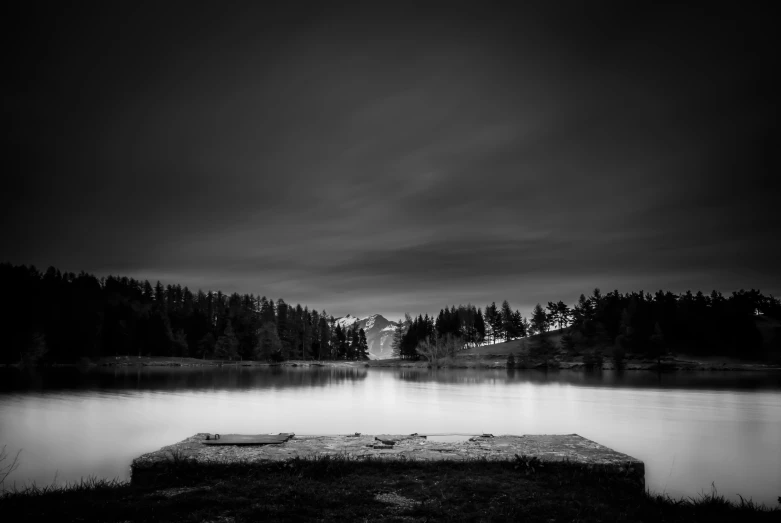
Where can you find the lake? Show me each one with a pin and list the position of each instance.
(691, 429)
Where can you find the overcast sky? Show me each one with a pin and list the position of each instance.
(381, 161)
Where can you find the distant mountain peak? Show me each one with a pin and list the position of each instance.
(378, 329)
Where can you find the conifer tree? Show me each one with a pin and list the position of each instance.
(354, 339)
(479, 328)
(341, 343)
(227, 346)
(159, 294)
(325, 339)
(539, 320)
(363, 346)
(268, 346)
(399, 331)
(507, 321)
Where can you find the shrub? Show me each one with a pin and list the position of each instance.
(593, 358)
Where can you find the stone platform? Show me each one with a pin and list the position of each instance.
(569, 448)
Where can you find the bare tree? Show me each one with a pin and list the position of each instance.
(444, 346)
(428, 350)
(7, 468)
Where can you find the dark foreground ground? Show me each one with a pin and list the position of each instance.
(336, 489)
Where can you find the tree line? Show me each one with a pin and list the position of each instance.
(697, 323)
(456, 328)
(636, 322)
(61, 317)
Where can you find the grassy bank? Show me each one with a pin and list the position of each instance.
(531, 352)
(328, 489)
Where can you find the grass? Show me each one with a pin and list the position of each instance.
(344, 489)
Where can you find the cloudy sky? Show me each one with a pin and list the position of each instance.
(367, 160)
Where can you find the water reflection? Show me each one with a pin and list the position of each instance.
(716, 380)
(691, 429)
(175, 378)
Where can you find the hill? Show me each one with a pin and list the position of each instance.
(531, 350)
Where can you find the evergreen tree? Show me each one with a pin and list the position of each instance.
(490, 320)
(363, 346)
(206, 344)
(552, 312)
(325, 338)
(284, 328)
(268, 346)
(507, 327)
(179, 344)
(563, 314)
(479, 328)
(148, 292)
(539, 320)
(517, 325)
(227, 346)
(159, 294)
(399, 331)
(307, 336)
(341, 343)
(354, 340)
(160, 337)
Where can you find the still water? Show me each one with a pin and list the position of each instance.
(691, 429)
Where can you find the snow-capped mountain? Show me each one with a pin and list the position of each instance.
(379, 333)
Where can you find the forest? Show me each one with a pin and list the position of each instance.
(636, 322)
(63, 317)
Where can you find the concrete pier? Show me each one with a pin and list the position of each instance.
(560, 449)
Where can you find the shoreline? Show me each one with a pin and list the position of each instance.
(488, 362)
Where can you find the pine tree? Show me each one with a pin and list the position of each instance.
(563, 314)
(227, 346)
(507, 321)
(325, 338)
(341, 343)
(363, 346)
(206, 346)
(284, 328)
(148, 293)
(517, 325)
(352, 349)
(179, 344)
(268, 345)
(306, 334)
(539, 320)
(159, 294)
(552, 313)
(479, 328)
(398, 338)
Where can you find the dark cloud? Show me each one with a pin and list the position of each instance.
(380, 161)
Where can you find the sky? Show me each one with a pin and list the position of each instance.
(386, 160)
